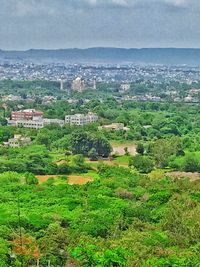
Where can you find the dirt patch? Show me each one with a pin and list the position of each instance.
(72, 179)
(193, 176)
(119, 149)
(60, 162)
(44, 178)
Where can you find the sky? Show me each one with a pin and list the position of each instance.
(55, 24)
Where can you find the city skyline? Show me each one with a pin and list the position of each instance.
(50, 24)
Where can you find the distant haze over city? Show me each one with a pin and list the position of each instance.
(168, 56)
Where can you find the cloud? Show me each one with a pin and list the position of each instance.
(102, 3)
(126, 3)
(85, 23)
(178, 3)
(50, 7)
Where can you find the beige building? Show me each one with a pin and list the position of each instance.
(114, 126)
(18, 141)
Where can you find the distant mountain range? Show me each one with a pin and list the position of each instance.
(169, 56)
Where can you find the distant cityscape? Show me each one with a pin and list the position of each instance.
(99, 73)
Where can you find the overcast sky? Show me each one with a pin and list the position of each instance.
(26, 24)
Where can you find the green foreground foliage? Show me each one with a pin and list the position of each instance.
(121, 219)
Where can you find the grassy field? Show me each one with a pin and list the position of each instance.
(122, 160)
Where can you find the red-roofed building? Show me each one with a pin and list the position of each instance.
(27, 114)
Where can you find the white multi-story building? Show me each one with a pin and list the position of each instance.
(34, 123)
(81, 119)
(53, 121)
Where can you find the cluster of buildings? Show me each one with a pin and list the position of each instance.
(142, 98)
(193, 96)
(31, 118)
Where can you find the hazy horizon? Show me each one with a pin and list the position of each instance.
(96, 47)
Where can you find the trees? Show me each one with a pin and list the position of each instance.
(92, 154)
(89, 255)
(84, 143)
(43, 139)
(181, 220)
(162, 149)
(30, 179)
(140, 149)
(191, 163)
(53, 245)
(143, 164)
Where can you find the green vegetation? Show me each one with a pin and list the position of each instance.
(120, 219)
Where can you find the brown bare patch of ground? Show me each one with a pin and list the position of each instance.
(119, 149)
(60, 162)
(193, 176)
(44, 178)
(72, 179)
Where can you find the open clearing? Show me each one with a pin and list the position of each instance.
(193, 176)
(118, 148)
(71, 179)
